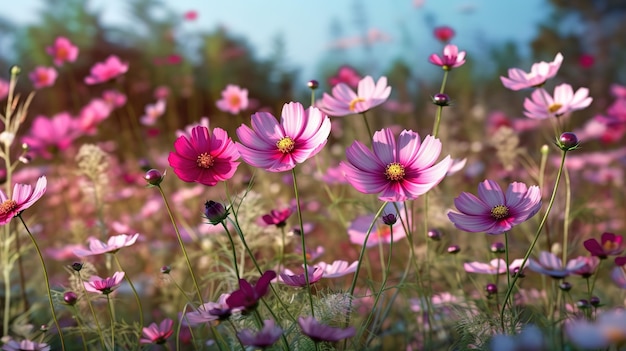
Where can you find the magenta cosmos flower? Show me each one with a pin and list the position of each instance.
(344, 101)
(104, 286)
(609, 245)
(103, 71)
(399, 171)
(48, 135)
(450, 59)
(62, 51)
(248, 296)
(43, 77)
(113, 245)
(157, 334)
(493, 211)
(279, 147)
(539, 73)
(277, 217)
(203, 157)
(541, 105)
(443, 33)
(22, 198)
(234, 99)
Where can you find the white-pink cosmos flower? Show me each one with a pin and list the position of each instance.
(276, 147)
(337, 269)
(451, 58)
(114, 244)
(152, 113)
(106, 285)
(22, 198)
(495, 266)
(344, 101)
(539, 73)
(551, 265)
(541, 105)
(397, 170)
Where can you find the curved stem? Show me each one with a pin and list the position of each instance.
(182, 246)
(539, 229)
(93, 312)
(45, 274)
(367, 125)
(306, 267)
(132, 286)
(80, 327)
(112, 321)
(232, 245)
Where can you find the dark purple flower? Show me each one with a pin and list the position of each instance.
(321, 332)
(248, 296)
(277, 217)
(263, 338)
(609, 245)
(299, 280)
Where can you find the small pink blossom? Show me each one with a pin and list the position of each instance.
(48, 135)
(550, 265)
(450, 59)
(92, 114)
(443, 33)
(114, 98)
(62, 51)
(25, 345)
(539, 73)
(157, 334)
(276, 147)
(104, 286)
(43, 77)
(396, 170)
(113, 245)
(22, 198)
(495, 266)
(234, 99)
(299, 280)
(204, 121)
(210, 311)
(347, 75)
(153, 112)
(541, 105)
(344, 101)
(495, 212)
(111, 68)
(190, 15)
(336, 269)
(204, 157)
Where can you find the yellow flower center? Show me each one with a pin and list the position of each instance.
(205, 160)
(383, 231)
(615, 335)
(554, 107)
(7, 206)
(610, 245)
(285, 145)
(62, 53)
(499, 212)
(234, 100)
(394, 171)
(352, 105)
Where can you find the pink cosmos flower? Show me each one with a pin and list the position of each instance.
(47, 135)
(618, 275)
(541, 105)
(114, 98)
(113, 245)
(25, 345)
(96, 111)
(344, 101)
(4, 89)
(153, 112)
(495, 266)
(450, 59)
(264, 338)
(443, 33)
(204, 121)
(399, 171)
(336, 269)
(347, 75)
(234, 99)
(299, 280)
(22, 198)
(381, 232)
(321, 332)
(539, 73)
(104, 286)
(279, 147)
(609, 245)
(495, 212)
(62, 51)
(589, 268)
(204, 157)
(43, 77)
(157, 334)
(103, 71)
(190, 15)
(210, 311)
(552, 266)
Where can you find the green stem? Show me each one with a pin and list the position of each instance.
(80, 327)
(93, 312)
(440, 108)
(112, 321)
(532, 245)
(566, 213)
(232, 245)
(508, 275)
(306, 267)
(367, 125)
(132, 287)
(45, 274)
(182, 246)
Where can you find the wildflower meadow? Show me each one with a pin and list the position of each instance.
(168, 189)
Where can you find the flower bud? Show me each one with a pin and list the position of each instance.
(215, 212)
(166, 269)
(568, 141)
(154, 177)
(313, 84)
(15, 70)
(491, 289)
(454, 249)
(497, 248)
(594, 301)
(441, 100)
(389, 219)
(582, 304)
(565, 286)
(77, 266)
(43, 328)
(70, 298)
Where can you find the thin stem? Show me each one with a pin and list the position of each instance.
(539, 229)
(182, 246)
(382, 286)
(232, 245)
(20, 267)
(508, 274)
(367, 125)
(440, 108)
(132, 286)
(80, 328)
(45, 273)
(306, 268)
(110, 305)
(93, 312)
(566, 213)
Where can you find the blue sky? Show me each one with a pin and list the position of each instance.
(305, 25)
